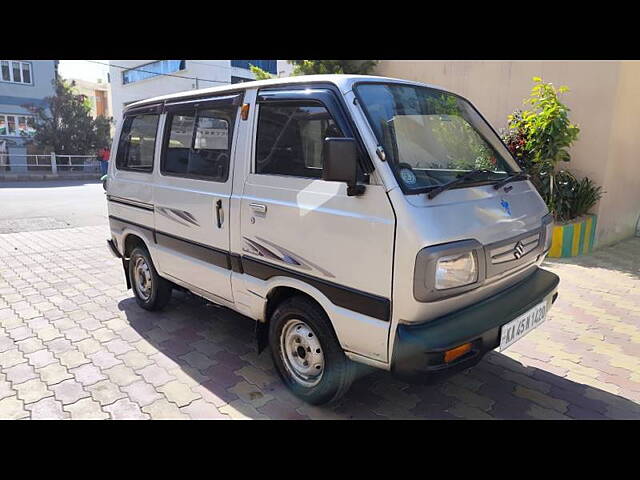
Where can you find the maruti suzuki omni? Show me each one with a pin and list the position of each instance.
(354, 218)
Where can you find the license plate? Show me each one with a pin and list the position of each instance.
(518, 328)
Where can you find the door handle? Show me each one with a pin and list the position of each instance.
(258, 207)
(218, 209)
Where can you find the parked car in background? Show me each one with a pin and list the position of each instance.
(354, 218)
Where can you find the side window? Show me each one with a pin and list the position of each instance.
(199, 143)
(137, 143)
(290, 139)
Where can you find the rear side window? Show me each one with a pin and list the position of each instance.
(199, 143)
(290, 139)
(137, 143)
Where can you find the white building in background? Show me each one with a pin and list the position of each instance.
(133, 80)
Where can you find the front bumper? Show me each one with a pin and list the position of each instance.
(418, 352)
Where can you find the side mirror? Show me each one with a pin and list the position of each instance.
(340, 162)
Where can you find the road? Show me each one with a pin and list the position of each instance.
(74, 344)
(30, 206)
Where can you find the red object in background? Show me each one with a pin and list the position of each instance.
(104, 154)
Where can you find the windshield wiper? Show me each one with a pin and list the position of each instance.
(467, 176)
(512, 178)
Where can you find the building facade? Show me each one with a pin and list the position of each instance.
(133, 80)
(604, 98)
(98, 93)
(22, 82)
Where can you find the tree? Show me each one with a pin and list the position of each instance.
(315, 67)
(64, 125)
(260, 74)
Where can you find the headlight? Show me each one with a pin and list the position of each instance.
(449, 269)
(456, 271)
(547, 224)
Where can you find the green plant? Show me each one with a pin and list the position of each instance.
(539, 139)
(315, 67)
(587, 195)
(259, 73)
(572, 198)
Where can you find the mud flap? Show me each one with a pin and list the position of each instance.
(262, 335)
(125, 266)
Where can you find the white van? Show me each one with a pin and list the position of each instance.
(354, 218)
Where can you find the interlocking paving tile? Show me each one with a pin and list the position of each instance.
(142, 393)
(164, 410)
(32, 390)
(54, 373)
(201, 410)
(105, 392)
(59, 317)
(125, 409)
(11, 408)
(86, 409)
(69, 391)
(47, 409)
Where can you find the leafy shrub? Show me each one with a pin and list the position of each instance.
(539, 139)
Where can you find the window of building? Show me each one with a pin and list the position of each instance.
(137, 143)
(199, 143)
(270, 66)
(17, 125)
(291, 137)
(152, 70)
(15, 71)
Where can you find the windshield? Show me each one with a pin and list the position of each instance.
(431, 137)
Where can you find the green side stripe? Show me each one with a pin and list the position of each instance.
(581, 241)
(594, 219)
(567, 240)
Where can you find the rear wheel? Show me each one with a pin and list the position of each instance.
(306, 352)
(152, 292)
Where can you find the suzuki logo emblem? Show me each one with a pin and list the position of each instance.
(505, 206)
(518, 250)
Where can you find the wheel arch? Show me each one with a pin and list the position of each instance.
(275, 296)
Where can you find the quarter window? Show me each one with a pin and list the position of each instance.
(137, 143)
(15, 71)
(291, 137)
(199, 143)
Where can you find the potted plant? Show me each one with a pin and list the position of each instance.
(539, 139)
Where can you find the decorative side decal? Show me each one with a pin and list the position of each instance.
(285, 256)
(179, 216)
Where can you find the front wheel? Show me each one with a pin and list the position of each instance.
(306, 352)
(152, 292)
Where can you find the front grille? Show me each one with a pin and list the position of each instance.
(509, 252)
(513, 253)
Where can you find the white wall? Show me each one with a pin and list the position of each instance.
(604, 97)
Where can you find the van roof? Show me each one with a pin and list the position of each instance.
(343, 82)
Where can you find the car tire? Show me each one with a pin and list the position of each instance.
(152, 292)
(306, 352)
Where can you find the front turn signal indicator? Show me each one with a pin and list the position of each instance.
(454, 353)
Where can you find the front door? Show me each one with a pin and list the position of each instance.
(297, 222)
(192, 194)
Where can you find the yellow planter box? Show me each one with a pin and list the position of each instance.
(575, 238)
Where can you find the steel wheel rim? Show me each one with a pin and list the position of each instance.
(302, 353)
(142, 278)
